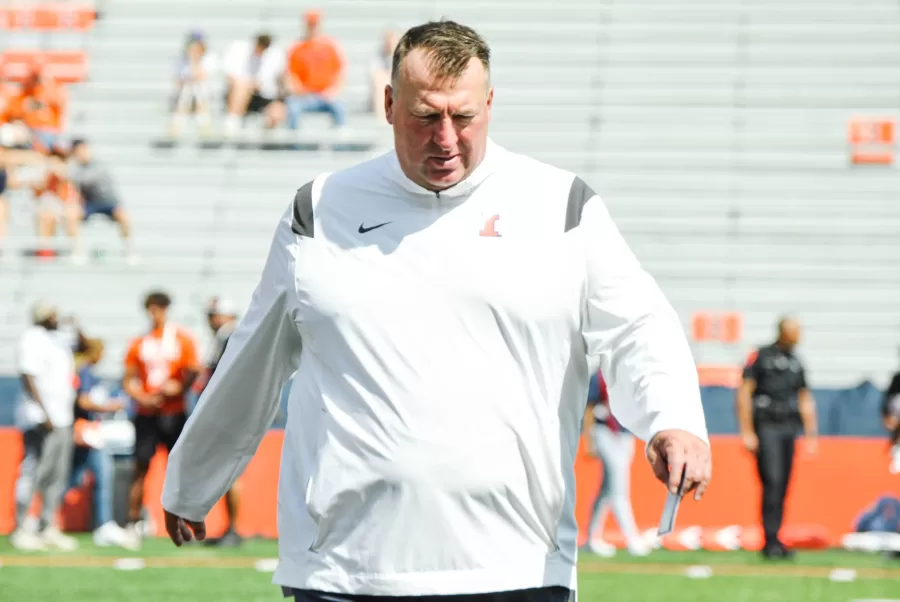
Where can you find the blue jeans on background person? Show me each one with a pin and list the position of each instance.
(313, 103)
(45, 138)
(100, 463)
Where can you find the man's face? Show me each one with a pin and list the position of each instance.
(52, 322)
(440, 126)
(790, 334)
(157, 315)
(82, 153)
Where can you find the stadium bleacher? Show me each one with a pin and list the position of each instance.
(715, 130)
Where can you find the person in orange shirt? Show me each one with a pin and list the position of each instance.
(160, 368)
(40, 105)
(315, 72)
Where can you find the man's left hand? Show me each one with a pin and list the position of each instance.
(172, 387)
(670, 451)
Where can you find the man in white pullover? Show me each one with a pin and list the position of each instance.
(435, 413)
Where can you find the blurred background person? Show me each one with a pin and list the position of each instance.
(40, 105)
(608, 441)
(57, 200)
(160, 368)
(98, 194)
(45, 414)
(380, 73)
(221, 316)
(890, 414)
(774, 402)
(315, 74)
(254, 76)
(91, 452)
(196, 68)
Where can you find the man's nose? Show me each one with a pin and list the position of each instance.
(445, 136)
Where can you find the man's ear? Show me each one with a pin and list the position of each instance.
(389, 104)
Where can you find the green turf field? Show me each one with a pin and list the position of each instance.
(199, 573)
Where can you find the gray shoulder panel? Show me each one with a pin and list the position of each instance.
(579, 194)
(302, 223)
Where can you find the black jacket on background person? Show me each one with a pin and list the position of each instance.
(779, 376)
(890, 406)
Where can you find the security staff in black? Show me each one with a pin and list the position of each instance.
(773, 403)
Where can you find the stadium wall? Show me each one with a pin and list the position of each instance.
(828, 494)
(849, 473)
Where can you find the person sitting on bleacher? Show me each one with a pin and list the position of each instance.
(98, 195)
(253, 74)
(57, 198)
(195, 69)
(315, 72)
(40, 106)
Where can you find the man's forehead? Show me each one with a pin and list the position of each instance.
(452, 100)
(418, 72)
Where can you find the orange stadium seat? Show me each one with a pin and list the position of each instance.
(63, 66)
(730, 327)
(703, 326)
(52, 16)
(872, 141)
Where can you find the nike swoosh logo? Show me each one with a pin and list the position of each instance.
(363, 229)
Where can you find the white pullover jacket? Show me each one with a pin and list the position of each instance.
(443, 344)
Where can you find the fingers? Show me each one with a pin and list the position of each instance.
(174, 527)
(706, 477)
(199, 529)
(675, 460)
(182, 531)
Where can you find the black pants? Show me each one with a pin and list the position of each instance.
(541, 594)
(774, 460)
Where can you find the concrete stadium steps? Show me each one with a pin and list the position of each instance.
(715, 131)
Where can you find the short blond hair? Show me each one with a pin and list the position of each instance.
(449, 47)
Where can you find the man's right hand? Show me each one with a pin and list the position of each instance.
(149, 400)
(751, 442)
(47, 425)
(181, 530)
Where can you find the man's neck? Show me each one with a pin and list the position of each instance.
(784, 346)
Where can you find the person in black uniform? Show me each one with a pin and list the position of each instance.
(890, 414)
(774, 401)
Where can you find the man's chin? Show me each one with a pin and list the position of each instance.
(444, 180)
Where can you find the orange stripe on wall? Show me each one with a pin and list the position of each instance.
(829, 490)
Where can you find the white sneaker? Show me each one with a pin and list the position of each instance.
(638, 547)
(54, 538)
(26, 541)
(134, 536)
(110, 534)
(602, 548)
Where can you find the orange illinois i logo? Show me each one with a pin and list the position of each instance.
(490, 228)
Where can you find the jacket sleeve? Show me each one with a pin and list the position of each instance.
(631, 327)
(242, 397)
